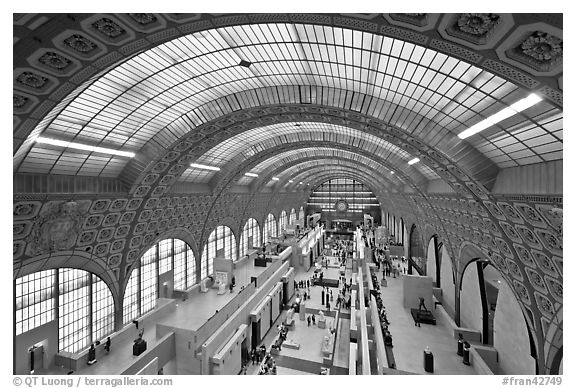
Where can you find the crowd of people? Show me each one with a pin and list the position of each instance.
(384, 322)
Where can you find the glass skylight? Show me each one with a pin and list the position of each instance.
(253, 142)
(179, 85)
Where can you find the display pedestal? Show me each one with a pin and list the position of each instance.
(322, 323)
(428, 362)
(139, 347)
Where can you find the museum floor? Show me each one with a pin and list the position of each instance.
(409, 340)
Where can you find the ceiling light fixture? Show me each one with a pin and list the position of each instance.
(204, 167)
(391, 172)
(85, 147)
(517, 107)
(251, 174)
(415, 160)
(275, 178)
(290, 180)
(300, 183)
(244, 63)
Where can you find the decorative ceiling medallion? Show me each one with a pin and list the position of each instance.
(475, 30)
(536, 48)
(55, 61)
(32, 80)
(543, 46)
(341, 205)
(19, 101)
(540, 50)
(108, 28)
(143, 18)
(80, 43)
(477, 24)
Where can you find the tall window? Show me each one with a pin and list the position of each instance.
(148, 281)
(292, 218)
(221, 243)
(102, 309)
(165, 255)
(282, 222)
(250, 236)
(85, 311)
(301, 213)
(85, 306)
(269, 227)
(34, 300)
(359, 197)
(191, 277)
(142, 287)
(131, 297)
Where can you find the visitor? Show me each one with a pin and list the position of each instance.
(421, 305)
(308, 319)
(107, 345)
(91, 355)
(313, 319)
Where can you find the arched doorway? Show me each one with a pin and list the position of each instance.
(433, 260)
(416, 252)
(488, 305)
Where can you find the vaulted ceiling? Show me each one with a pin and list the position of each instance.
(258, 93)
(300, 98)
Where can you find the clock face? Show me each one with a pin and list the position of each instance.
(341, 205)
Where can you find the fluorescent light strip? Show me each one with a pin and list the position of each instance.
(290, 180)
(415, 160)
(204, 167)
(251, 174)
(517, 107)
(275, 178)
(85, 147)
(391, 172)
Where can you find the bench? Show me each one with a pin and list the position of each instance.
(291, 344)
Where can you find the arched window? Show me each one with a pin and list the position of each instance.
(142, 287)
(301, 213)
(221, 242)
(250, 237)
(85, 306)
(292, 218)
(270, 227)
(282, 222)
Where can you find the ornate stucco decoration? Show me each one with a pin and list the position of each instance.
(477, 24)
(56, 228)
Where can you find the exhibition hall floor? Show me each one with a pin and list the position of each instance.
(409, 340)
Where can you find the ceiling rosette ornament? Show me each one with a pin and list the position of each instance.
(477, 24)
(540, 50)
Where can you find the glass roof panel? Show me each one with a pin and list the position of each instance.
(177, 85)
(253, 142)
